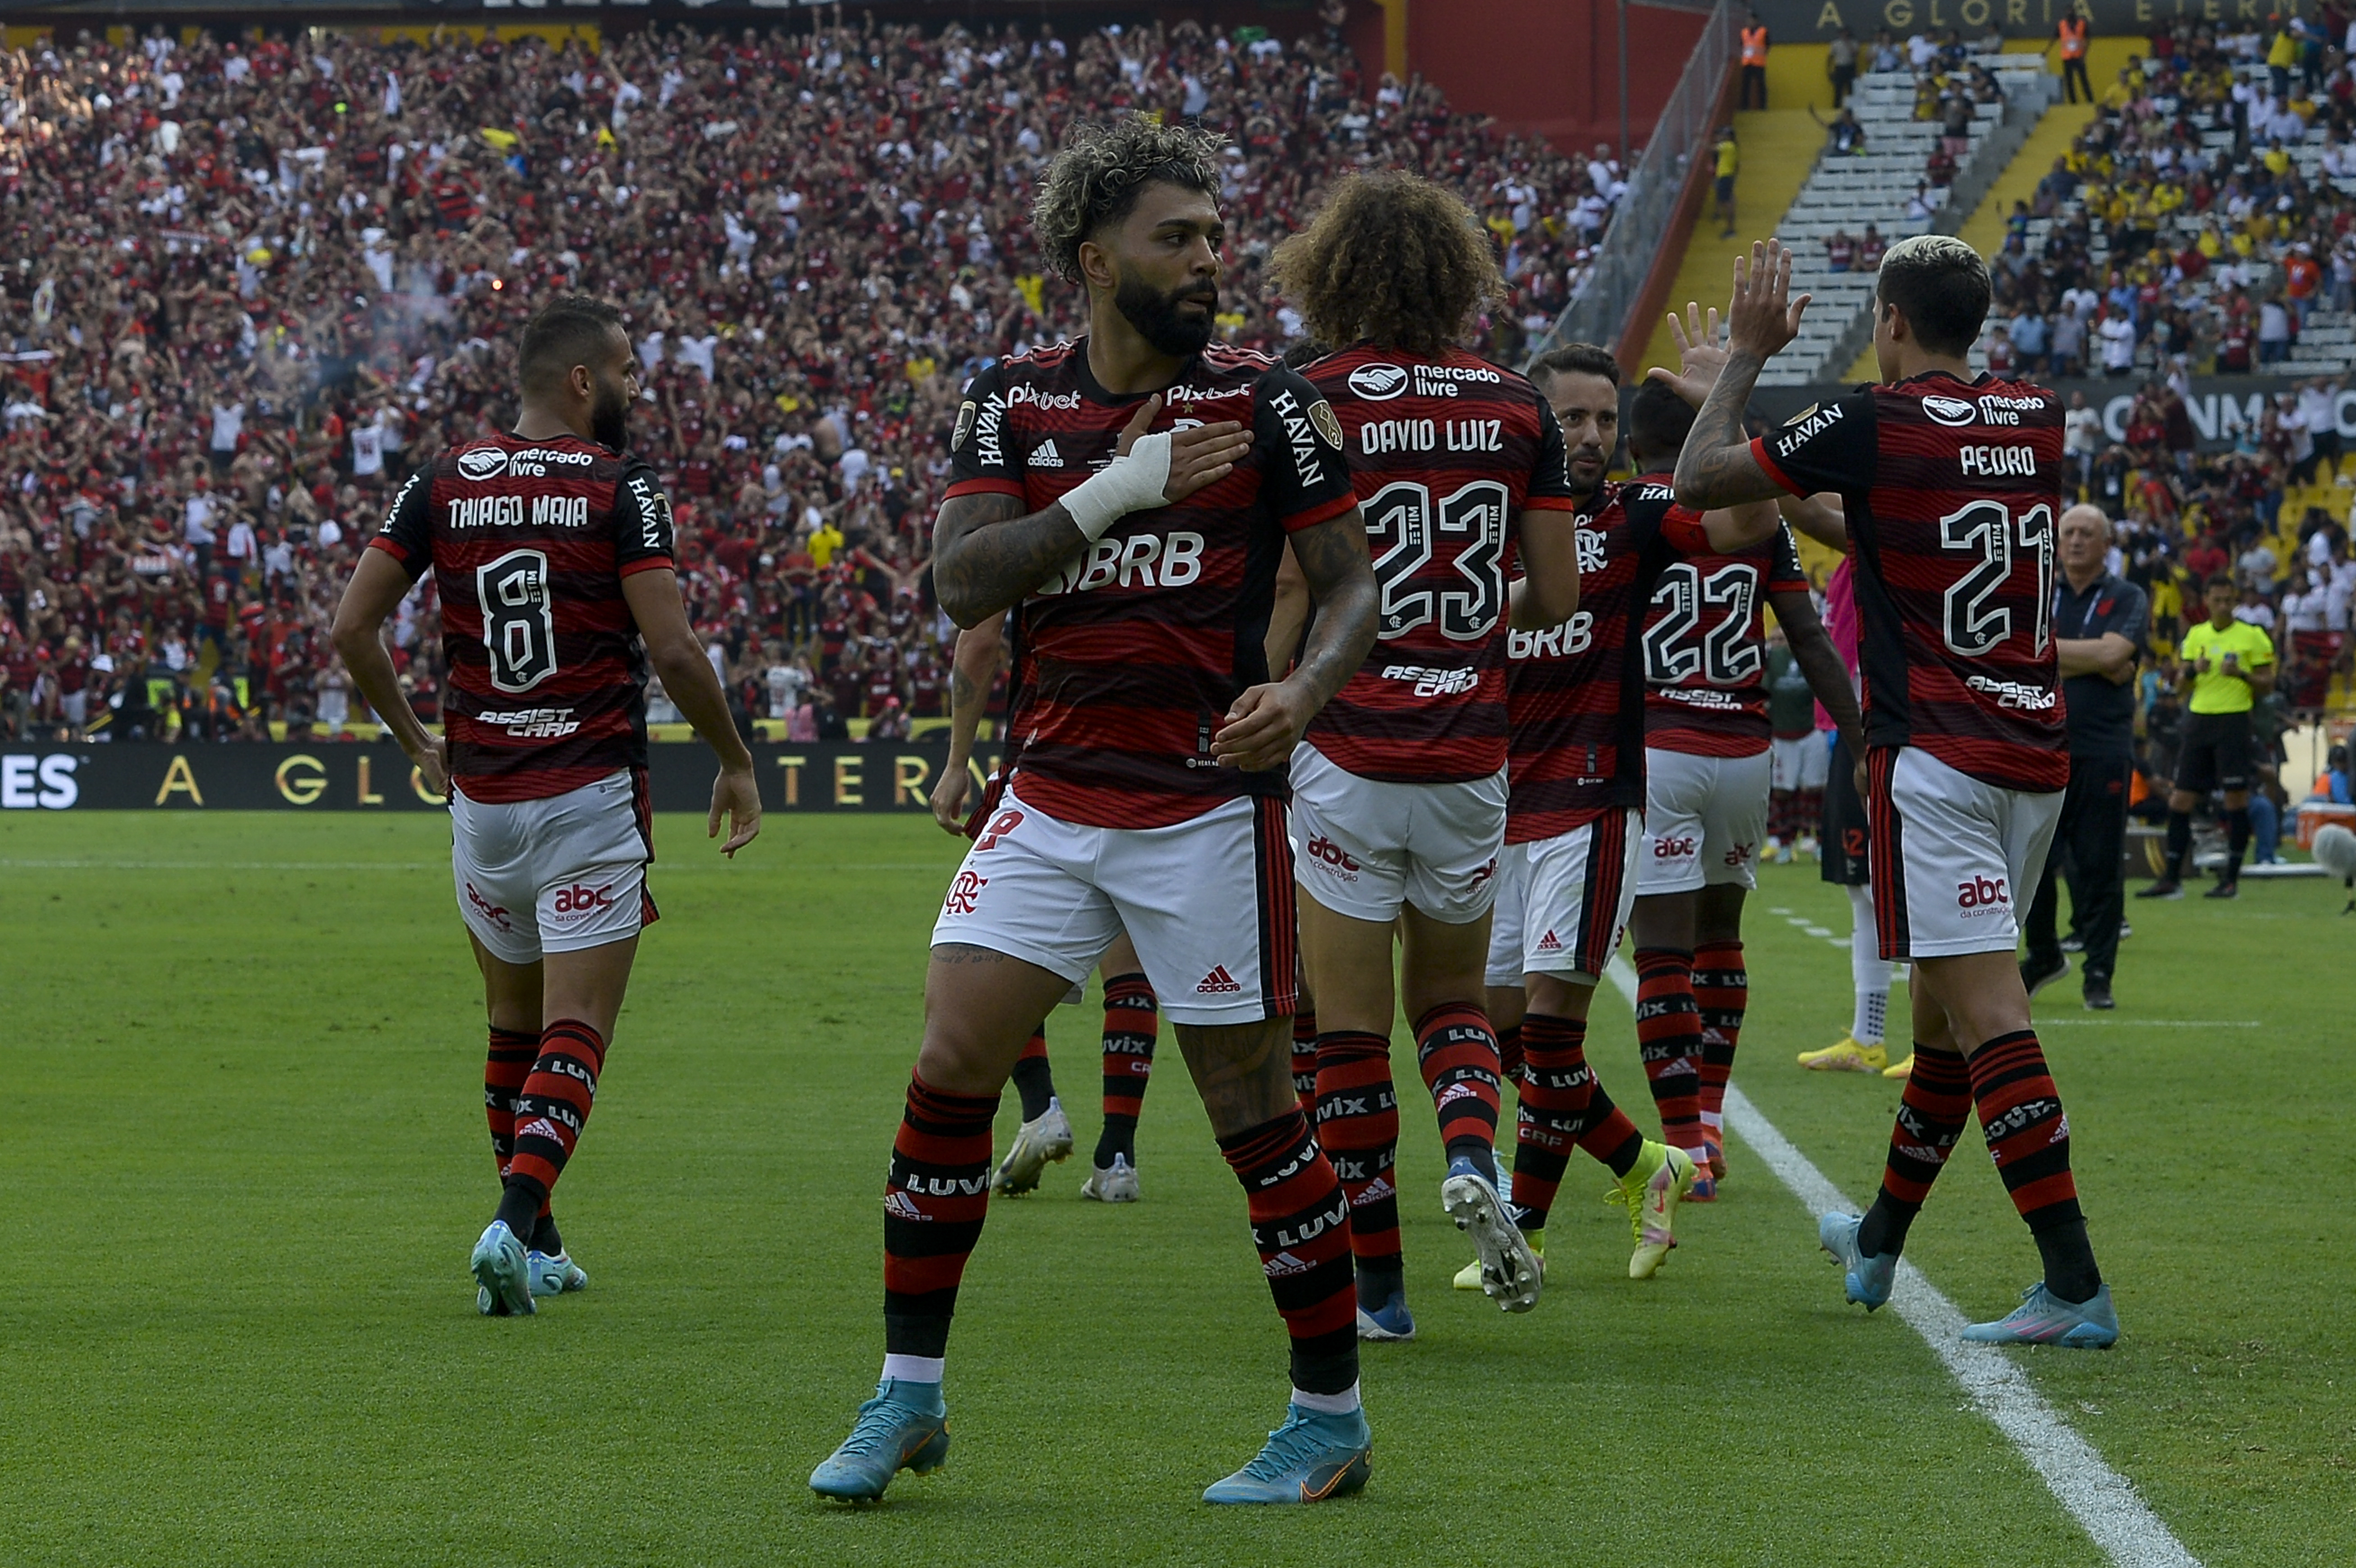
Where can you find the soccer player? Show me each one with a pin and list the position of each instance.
(1399, 785)
(1129, 495)
(2231, 664)
(552, 553)
(1131, 1020)
(1705, 785)
(1949, 484)
(1575, 810)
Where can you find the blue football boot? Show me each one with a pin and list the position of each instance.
(1310, 1458)
(904, 1427)
(2044, 1318)
(502, 1278)
(1869, 1278)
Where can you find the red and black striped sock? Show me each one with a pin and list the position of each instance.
(1458, 1055)
(1669, 1040)
(2028, 1135)
(513, 1050)
(1930, 1116)
(934, 1203)
(1131, 1019)
(1721, 988)
(1562, 1105)
(1358, 1126)
(1035, 1083)
(552, 1108)
(1509, 1052)
(1304, 1061)
(1301, 1224)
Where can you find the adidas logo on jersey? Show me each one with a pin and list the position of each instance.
(1218, 982)
(538, 1128)
(1284, 1263)
(1549, 944)
(1377, 1189)
(900, 1206)
(1044, 455)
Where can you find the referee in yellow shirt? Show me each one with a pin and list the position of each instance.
(2230, 665)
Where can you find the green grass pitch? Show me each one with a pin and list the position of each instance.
(243, 1159)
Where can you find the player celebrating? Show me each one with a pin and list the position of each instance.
(552, 554)
(1706, 784)
(1575, 705)
(1129, 496)
(1949, 484)
(1400, 787)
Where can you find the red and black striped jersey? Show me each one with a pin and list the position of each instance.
(1952, 490)
(1447, 451)
(1574, 694)
(529, 541)
(1133, 653)
(1705, 648)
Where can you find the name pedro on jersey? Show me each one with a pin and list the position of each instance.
(1999, 462)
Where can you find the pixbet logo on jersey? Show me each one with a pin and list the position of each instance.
(1982, 895)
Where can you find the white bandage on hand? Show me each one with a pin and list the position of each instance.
(1131, 484)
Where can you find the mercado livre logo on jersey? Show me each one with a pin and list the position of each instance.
(1950, 410)
(1378, 383)
(482, 463)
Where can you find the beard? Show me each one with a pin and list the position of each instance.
(609, 417)
(1155, 315)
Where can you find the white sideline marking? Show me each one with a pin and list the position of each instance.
(2150, 1023)
(2104, 1502)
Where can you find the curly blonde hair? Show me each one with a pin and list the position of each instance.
(1095, 179)
(1392, 259)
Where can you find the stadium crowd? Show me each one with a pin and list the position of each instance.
(2183, 228)
(256, 283)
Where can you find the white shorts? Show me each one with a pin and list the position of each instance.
(1801, 762)
(1362, 846)
(1208, 903)
(1704, 817)
(558, 875)
(1951, 857)
(1563, 902)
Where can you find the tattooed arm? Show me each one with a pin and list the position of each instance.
(1717, 467)
(1267, 721)
(972, 668)
(989, 555)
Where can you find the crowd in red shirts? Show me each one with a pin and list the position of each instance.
(249, 285)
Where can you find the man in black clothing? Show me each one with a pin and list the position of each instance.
(2099, 622)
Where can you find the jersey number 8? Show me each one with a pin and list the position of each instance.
(1399, 529)
(518, 622)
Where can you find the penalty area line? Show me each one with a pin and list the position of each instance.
(2104, 1502)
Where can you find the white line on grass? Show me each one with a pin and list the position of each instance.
(2150, 1023)
(2104, 1502)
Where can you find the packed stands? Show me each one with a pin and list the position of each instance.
(250, 285)
(1913, 152)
